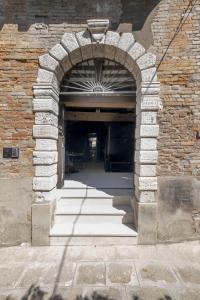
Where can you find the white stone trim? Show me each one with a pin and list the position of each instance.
(73, 49)
(147, 131)
(111, 39)
(146, 183)
(145, 170)
(146, 61)
(84, 41)
(45, 171)
(45, 157)
(136, 51)
(49, 77)
(146, 157)
(46, 118)
(46, 145)
(45, 105)
(44, 183)
(146, 144)
(45, 131)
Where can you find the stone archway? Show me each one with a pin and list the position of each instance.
(73, 49)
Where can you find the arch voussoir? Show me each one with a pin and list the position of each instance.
(84, 41)
(146, 61)
(61, 55)
(111, 42)
(125, 42)
(49, 63)
(70, 43)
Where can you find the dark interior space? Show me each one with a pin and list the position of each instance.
(109, 143)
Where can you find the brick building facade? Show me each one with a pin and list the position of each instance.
(168, 29)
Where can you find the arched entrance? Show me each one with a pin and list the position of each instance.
(73, 49)
(98, 97)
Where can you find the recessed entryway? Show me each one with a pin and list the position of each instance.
(96, 174)
(80, 74)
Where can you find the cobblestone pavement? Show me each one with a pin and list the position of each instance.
(162, 272)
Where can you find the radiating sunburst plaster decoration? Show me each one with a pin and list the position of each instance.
(98, 76)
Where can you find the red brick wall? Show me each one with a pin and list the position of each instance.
(179, 74)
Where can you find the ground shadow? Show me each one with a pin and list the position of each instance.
(113, 184)
(36, 293)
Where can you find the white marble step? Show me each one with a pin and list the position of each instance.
(93, 240)
(94, 218)
(91, 206)
(93, 230)
(112, 201)
(93, 192)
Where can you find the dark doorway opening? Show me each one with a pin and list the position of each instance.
(109, 144)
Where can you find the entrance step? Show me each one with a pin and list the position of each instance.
(93, 240)
(90, 203)
(92, 209)
(86, 230)
(93, 217)
(93, 192)
(111, 201)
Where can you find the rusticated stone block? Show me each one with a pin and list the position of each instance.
(147, 60)
(48, 105)
(146, 157)
(84, 40)
(145, 170)
(150, 89)
(147, 118)
(126, 41)
(46, 145)
(46, 118)
(136, 51)
(147, 131)
(70, 43)
(150, 103)
(44, 90)
(58, 52)
(45, 157)
(146, 144)
(48, 62)
(147, 196)
(45, 76)
(111, 41)
(149, 75)
(146, 183)
(45, 171)
(45, 131)
(44, 183)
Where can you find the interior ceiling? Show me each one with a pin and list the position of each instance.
(97, 76)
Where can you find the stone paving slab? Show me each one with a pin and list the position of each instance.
(156, 272)
(162, 272)
(90, 274)
(121, 273)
